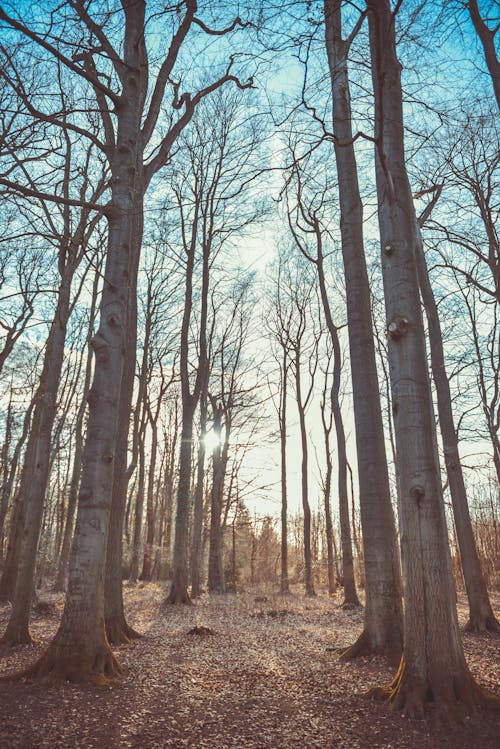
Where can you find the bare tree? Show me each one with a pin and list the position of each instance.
(426, 667)
(383, 615)
(119, 86)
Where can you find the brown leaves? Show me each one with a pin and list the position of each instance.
(262, 680)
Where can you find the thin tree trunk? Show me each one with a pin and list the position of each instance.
(308, 572)
(150, 507)
(481, 616)
(62, 570)
(196, 557)
(284, 582)
(36, 469)
(7, 581)
(180, 578)
(216, 583)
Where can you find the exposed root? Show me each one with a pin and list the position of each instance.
(481, 624)
(119, 632)
(363, 646)
(452, 701)
(82, 667)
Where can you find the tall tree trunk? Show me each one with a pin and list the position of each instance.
(36, 468)
(147, 564)
(139, 508)
(180, 577)
(118, 630)
(216, 583)
(196, 556)
(80, 650)
(383, 609)
(481, 616)
(284, 582)
(433, 665)
(62, 570)
(327, 486)
(308, 572)
(8, 580)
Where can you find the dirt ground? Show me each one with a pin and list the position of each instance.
(263, 679)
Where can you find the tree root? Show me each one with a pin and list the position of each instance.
(178, 597)
(363, 646)
(58, 665)
(480, 624)
(119, 632)
(453, 702)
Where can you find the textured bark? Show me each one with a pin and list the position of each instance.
(383, 610)
(433, 665)
(80, 649)
(117, 628)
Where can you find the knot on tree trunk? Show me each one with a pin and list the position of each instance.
(397, 328)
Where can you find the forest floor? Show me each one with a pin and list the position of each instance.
(263, 679)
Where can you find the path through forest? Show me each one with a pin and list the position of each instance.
(262, 680)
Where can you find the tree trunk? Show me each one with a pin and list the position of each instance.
(139, 508)
(196, 557)
(433, 665)
(284, 582)
(383, 610)
(179, 588)
(118, 630)
(62, 570)
(216, 583)
(36, 469)
(80, 650)
(481, 616)
(308, 572)
(7, 584)
(150, 508)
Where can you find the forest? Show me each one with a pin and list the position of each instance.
(249, 374)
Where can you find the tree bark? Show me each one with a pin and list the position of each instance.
(433, 665)
(383, 613)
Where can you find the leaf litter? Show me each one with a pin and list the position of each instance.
(260, 672)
